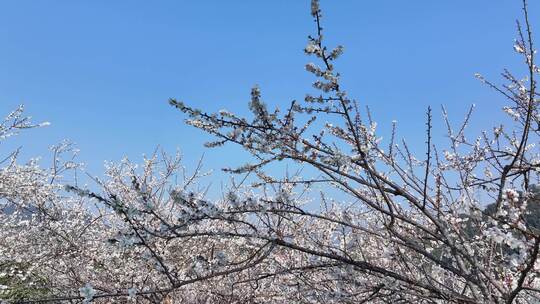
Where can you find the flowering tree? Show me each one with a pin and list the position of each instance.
(417, 230)
(41, 227)
(453, 226)
(61, 245)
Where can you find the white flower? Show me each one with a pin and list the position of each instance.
(312, 48)
(132, 293)
(515, 115)
(518, 48)
(221, 258)
(337, 52)
(87, 292)
(314, 7)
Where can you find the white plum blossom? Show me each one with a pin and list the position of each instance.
(352, 218)
(87, 292)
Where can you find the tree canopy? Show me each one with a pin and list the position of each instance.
(457, 224)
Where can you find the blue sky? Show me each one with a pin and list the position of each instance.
(101, 71)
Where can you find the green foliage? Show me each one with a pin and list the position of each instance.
(17, 282)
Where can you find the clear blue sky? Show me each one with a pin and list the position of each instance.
(101, 71)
